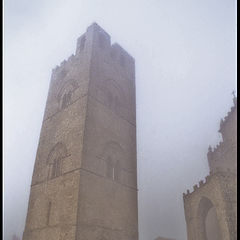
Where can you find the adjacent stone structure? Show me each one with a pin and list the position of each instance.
(162, 238)
(211, 209)
(84, 184)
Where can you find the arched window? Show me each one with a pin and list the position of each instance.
(65, 95)
(208, 224)
(66, 99)
(114, 96)
(55, 158)
(112, 154)
(56, 168)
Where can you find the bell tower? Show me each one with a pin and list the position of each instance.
(84, 183)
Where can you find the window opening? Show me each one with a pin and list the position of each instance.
(82, 43)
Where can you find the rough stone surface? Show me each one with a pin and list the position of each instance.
(84, 184)
(163, 238)
(211, 209)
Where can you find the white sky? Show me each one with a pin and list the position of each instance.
(185, 54)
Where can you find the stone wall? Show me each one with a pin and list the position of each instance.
(211, 209)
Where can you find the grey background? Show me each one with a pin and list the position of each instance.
(185, 54)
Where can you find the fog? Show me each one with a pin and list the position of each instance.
(185, 53)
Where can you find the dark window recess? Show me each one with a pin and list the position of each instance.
(82, 43)
(112, 170)
(66, 100)
(49, 212)
(56, 170)
(116, 176)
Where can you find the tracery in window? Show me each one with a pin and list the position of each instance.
(55, 159)
(66, 99)
(113, 95)
(112, 154)
(65, 95)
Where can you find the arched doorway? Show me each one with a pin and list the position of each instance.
(208, 224)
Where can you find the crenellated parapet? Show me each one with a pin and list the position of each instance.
(197, 186)
(213, 151)
(219, 189)
(214, 154)
(227, 118)
(223, 156)
(201, 183)
(96, 42)
(64, 64)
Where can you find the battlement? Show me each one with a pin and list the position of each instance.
(226, 118)
(222, 156)
(201, 183)
(64, 63)
(197, 186)
(101, 40)
(117, 48)
(96, 39)
(213, 152)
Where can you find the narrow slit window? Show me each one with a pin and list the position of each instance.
(49, 212)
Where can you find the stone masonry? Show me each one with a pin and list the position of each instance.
(84, 184)
(163, 238)
(211, 209)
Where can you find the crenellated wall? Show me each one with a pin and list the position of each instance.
(223, 156)
(211, 208)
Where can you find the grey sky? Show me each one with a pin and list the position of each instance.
(185, 54)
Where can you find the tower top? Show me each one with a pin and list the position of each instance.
(96, 27)
(95, 41)
(104, 41)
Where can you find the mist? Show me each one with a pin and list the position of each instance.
(185, 54)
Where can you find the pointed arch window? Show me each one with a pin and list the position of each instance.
(208, 223)
(113, 97)
(66, 100)
(112, 155)
(55, 159)
(56, 168)
(65, 95)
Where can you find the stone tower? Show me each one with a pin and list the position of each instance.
(211, 209)
(84, 184)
